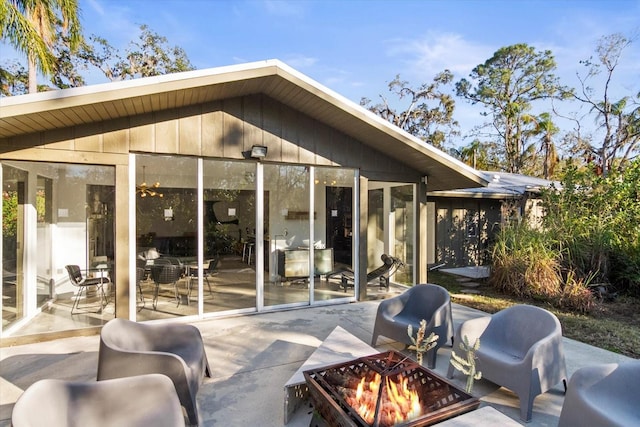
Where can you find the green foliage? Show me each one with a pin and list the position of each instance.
(9, 213)
(507, 84)
(420, 343)
(150, 55)
(428, 114)
(467, 366)
(595, 223)
(524, 263)
(590, 235)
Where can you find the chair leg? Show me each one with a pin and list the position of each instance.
(175, 289)
(155, 296)
(208, 284)
(76, 302)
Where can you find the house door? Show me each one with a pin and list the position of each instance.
(339, 223)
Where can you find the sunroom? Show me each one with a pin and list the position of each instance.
(234, 190)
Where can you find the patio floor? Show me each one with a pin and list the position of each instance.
(252, 357)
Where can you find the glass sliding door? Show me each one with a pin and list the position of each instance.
(167, 235)
(229, 268)
(391, 227)
(55, 215)
(13, 206)
(289, 234)
(403, 230)
(333, 231)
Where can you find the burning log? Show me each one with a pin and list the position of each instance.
(385, 390)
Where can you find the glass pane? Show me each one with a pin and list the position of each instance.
(167, 235)
(229, 233)
(13, 199)
(53, 203)
(287, 206)
(333, 231)
(402, 214)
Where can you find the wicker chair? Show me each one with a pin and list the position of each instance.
(165, 274)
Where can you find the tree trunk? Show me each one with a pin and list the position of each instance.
(33, 75)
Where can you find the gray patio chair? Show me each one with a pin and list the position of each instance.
(603, 395)
(426, 301)
(520, 349)
(140, 401)
(128, 348)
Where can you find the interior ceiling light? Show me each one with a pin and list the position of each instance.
(145, 190)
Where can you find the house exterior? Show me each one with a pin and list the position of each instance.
(258, 182)
(462, 223)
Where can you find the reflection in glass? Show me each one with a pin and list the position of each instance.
(229, 235)
(167, 235)
(48, 223)
(289, 233)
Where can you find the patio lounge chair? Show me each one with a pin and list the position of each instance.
(140, 401)
(381, 274)
(603, 395)
(429, 302)
(128, 348)
(520, 349)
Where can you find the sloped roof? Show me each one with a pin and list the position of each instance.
(501, 185)
(39, 112)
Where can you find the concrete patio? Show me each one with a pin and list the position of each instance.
(252, 357)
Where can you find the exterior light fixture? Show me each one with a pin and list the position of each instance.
(258, 151)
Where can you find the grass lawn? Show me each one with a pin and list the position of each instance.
(614, 326)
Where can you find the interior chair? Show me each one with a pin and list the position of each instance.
(603, 395)
(140, 401)
(176, 350)
(209, 271)
(426, 301)
(520, 349)
(165, 274)
(83, 282)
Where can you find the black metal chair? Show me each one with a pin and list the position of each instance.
(82, 282)
(210, 271)
(165, 274)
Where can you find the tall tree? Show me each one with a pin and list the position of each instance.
(545, 130)
(428, 113)
(508, 85)
(150, 55)
(30, 26)
(617, 139)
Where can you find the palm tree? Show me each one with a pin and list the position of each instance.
(545, 129)
(30, 26)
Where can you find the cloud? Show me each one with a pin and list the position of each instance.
(299, 61)
(427, 56)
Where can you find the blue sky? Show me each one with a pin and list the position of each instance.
(356, 47)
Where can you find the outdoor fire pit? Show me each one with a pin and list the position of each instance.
(385, 389)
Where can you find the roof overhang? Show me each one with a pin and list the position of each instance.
(44, 111)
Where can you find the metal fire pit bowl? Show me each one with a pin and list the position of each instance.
(440, 399)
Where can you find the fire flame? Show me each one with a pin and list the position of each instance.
(397, 405)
